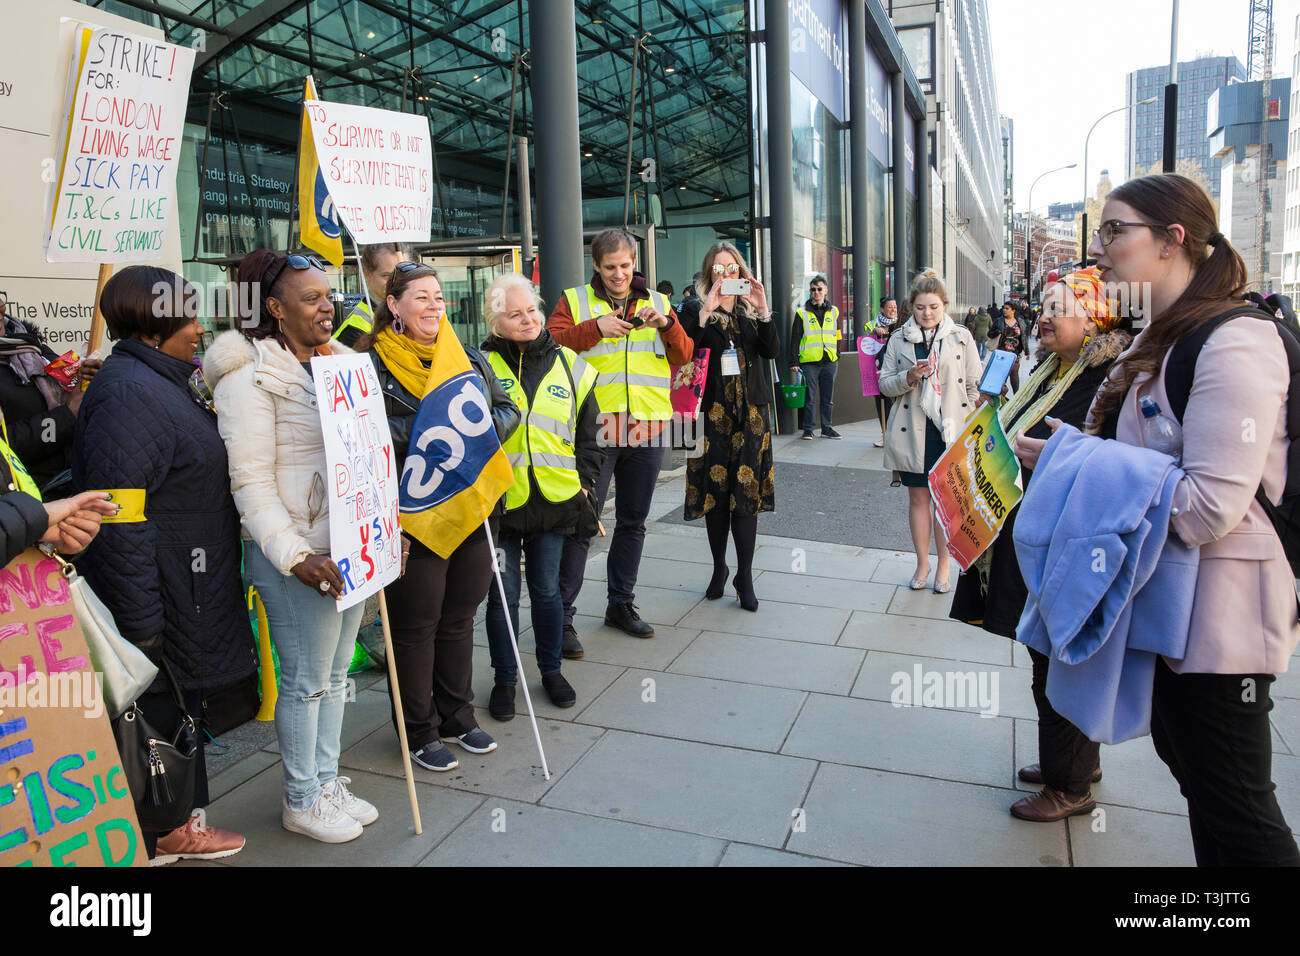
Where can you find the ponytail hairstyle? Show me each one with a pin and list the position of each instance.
(1218, 280)
(397, 283)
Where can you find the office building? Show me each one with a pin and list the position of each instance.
(1144, 130)
(969, 218)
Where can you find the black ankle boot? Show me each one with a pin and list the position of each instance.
(745, 592)
(717, 583)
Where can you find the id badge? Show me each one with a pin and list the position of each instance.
(730, 363)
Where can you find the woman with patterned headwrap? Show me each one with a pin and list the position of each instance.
(1081, 336)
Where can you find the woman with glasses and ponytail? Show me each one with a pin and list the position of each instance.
(1209, 709)
(265, 398)
(431, 607)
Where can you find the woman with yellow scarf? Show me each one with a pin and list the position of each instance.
(1082, 334)
(431, 607)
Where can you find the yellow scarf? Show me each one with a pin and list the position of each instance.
(407, 360)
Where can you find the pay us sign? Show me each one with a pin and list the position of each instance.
(361, 485)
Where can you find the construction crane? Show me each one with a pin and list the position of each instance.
(1259, 64)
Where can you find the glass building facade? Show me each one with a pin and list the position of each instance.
(670, 117)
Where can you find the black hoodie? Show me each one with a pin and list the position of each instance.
(539, 516)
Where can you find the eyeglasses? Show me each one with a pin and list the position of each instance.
(1107, 229)
(408, 266)
(295, 261)
(720, 269)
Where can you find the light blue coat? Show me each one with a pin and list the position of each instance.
(1109, 587)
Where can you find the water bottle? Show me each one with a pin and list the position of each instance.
(1161, 432)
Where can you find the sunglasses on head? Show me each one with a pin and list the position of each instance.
(298, 262)
(408, 266)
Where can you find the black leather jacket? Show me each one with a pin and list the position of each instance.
(401, 406)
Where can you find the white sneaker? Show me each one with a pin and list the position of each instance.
(324, 820)
(358, 809)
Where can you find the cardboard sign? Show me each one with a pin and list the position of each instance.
(378, 168)
(64, 799)
(365, 534)
(975, 484)
(120, 148)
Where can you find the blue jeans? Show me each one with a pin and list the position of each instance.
(315, 643)
(543, 556)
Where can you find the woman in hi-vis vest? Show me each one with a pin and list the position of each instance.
(556, 461)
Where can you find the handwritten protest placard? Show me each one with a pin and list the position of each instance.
(64, 799)
(975, 484)
(365, 536)
(378, 167)
(120, 148)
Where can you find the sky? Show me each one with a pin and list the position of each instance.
(1060, 66)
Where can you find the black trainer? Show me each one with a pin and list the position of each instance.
(559, 690)
(571, 647)
(622, 615)
(501, 704)
(830, 433)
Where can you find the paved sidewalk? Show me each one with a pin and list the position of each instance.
(747, 739)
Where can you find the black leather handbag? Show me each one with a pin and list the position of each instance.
(160, 772)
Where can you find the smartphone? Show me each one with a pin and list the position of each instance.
(636, 321)
(735, 287)
(996, 372)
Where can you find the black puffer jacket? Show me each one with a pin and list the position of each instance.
(176, 574)
(539, 516)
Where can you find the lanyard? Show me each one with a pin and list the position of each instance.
(21, 478)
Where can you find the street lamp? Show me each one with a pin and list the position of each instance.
(1029, 224)
(1083, 254)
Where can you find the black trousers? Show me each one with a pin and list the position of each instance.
(1212, 731)
(1066, 756)
(634, 470)
(431, 611)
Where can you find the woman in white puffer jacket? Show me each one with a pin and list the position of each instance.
(266, 411)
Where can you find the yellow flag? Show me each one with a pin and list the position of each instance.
(318, 223)
(455, 469)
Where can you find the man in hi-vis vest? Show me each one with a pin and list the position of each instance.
(377, 263)
(814, 344)
(630, 335)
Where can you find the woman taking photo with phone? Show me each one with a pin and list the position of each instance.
(1209, 710)
(731, 482)
(931, 369)
(265, 398)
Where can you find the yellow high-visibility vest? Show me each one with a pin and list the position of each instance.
(544, 442)
(360, 319)
(632, 373)
(818, 338)
(22, 480)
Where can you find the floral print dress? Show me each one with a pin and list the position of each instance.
(735, 468)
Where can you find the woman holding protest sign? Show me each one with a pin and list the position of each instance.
(556, 461)
(167, 566)
(1082, 334)
(932, 369)
(431, 607)
(266, 409)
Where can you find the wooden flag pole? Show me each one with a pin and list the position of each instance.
(97, 319)
(397, 708)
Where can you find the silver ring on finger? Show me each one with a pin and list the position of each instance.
(324, 585)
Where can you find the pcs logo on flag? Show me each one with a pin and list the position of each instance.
(453, 439)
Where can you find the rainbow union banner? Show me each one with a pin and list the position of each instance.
(975, 485)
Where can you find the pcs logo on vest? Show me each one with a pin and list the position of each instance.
(559, 391)
(507, 383)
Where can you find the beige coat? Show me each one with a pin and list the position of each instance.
(1244, 618)
(267, 415)
(959, 375)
